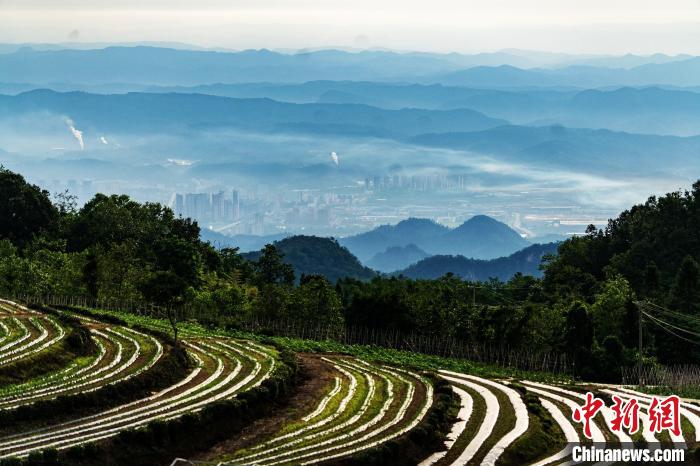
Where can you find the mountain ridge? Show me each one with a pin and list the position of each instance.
(480, 237)
(526, 261)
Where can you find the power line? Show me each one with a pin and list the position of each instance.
(669, 312)
(671, 331)
(671, 325)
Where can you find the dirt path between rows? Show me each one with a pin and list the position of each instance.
(317, 375)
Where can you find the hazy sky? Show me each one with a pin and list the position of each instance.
(582, 26)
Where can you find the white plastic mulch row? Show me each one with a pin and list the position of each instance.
(91, 377)
(492, 410)
(297, 436)
(35, 345)
(352, 422)
(357, 432)
(487, 425)
(465, 411)
(25, 334)
(608, 413)
(558, 395)
(29, 390)
(189, 395)
(688, 410)
(380, 434)
(324, 402)
(5, 332)
(567, 428)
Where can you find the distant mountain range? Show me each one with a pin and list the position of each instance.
(142, 113)
(652, 110)
(594, 151)
(480, 237)
(493, 248)
(526, 261)
(168, 66)
(599, 151)
(678, 73)
(325, 256)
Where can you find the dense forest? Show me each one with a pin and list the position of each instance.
(587, 304)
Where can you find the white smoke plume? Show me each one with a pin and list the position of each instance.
(77, 134)
(335, 158)
(103, 140)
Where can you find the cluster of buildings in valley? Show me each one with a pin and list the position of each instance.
(430, 182)
(210, 207)
(349, 209)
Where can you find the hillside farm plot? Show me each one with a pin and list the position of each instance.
(123, 353)
(224, 367)
(601, 432)
(493, 416)
(25, 333)
(364, 406)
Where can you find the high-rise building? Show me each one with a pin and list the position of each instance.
(217, 206)
(197, 206)
(235, 198)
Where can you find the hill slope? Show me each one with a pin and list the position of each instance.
(526, 261)
(323, 256)
(416, 231)
(397, 258)
(481, 237)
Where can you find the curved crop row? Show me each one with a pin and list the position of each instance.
(494, 416)
(366, 406)
(26, 333)
(123, 353)
(561, 403)
(224, 369)
(689, 411)
(486, 441)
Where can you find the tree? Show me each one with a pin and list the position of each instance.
(26, 210)
(165, 289)
(270, 269)
(315, 300)
(652, 279)
(579, 335)
(685, 293)
(610, 308)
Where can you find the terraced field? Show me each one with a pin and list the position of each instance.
(366, 405)
(223, 369)
(359, 405)
(123, 353)
(493, 416)
(25, 333)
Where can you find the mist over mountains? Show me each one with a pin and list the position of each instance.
(340, 143)
(145, 114)
(480, 249)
